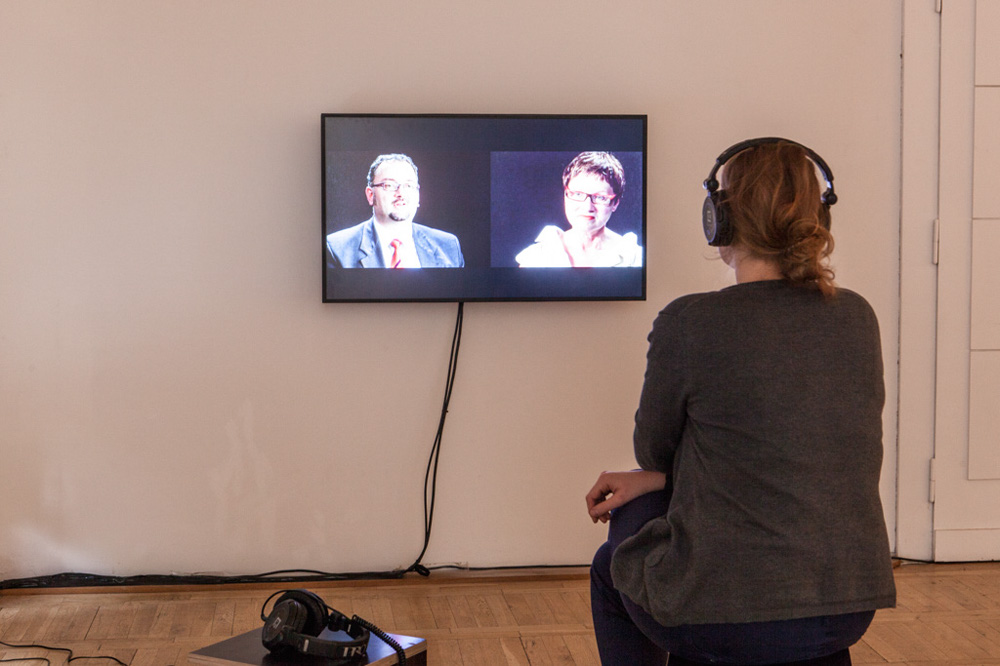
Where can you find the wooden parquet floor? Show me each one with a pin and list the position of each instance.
(947, 615)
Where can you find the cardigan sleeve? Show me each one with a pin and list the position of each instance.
(660, 418)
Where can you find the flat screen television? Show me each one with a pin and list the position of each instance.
(447, 207)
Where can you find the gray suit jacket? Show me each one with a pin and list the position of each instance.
(357, 247)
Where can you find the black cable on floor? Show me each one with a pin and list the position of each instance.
(97, 580)
(70, 659)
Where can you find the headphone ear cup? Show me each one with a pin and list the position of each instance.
(315, 615)
(715, 220)
(288, 616)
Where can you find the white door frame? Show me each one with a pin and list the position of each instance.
(918, 277)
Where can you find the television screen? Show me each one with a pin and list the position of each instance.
(483, 207)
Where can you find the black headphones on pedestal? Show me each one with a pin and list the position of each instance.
(296, 621)
(715, 219)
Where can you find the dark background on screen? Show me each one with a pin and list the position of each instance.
(454, 195)
(528, 194)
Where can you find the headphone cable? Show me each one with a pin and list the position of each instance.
(386, 638)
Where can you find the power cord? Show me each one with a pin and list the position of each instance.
(70, 659)
(283, 576)
(430, 476)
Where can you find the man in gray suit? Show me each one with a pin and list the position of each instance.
(390, 238)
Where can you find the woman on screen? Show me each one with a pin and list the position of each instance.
(593, 185)
(754, 532)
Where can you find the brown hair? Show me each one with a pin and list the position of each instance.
(602, 164)
(773, 201)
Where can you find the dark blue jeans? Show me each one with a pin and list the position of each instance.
(628, 635)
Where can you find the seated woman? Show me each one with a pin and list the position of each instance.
(593, 185)
(754, 532)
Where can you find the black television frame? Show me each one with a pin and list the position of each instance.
(458, 157)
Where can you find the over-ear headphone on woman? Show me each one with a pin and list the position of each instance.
(715, 217)
(296, 621)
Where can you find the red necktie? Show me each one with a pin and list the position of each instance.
(397, 261)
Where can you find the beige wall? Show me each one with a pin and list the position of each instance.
(174, 397)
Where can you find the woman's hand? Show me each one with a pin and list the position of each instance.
(613, 489)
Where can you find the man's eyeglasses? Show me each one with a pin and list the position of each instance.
(393, 186)
(598, 199)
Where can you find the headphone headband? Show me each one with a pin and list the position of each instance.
(712, 185)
